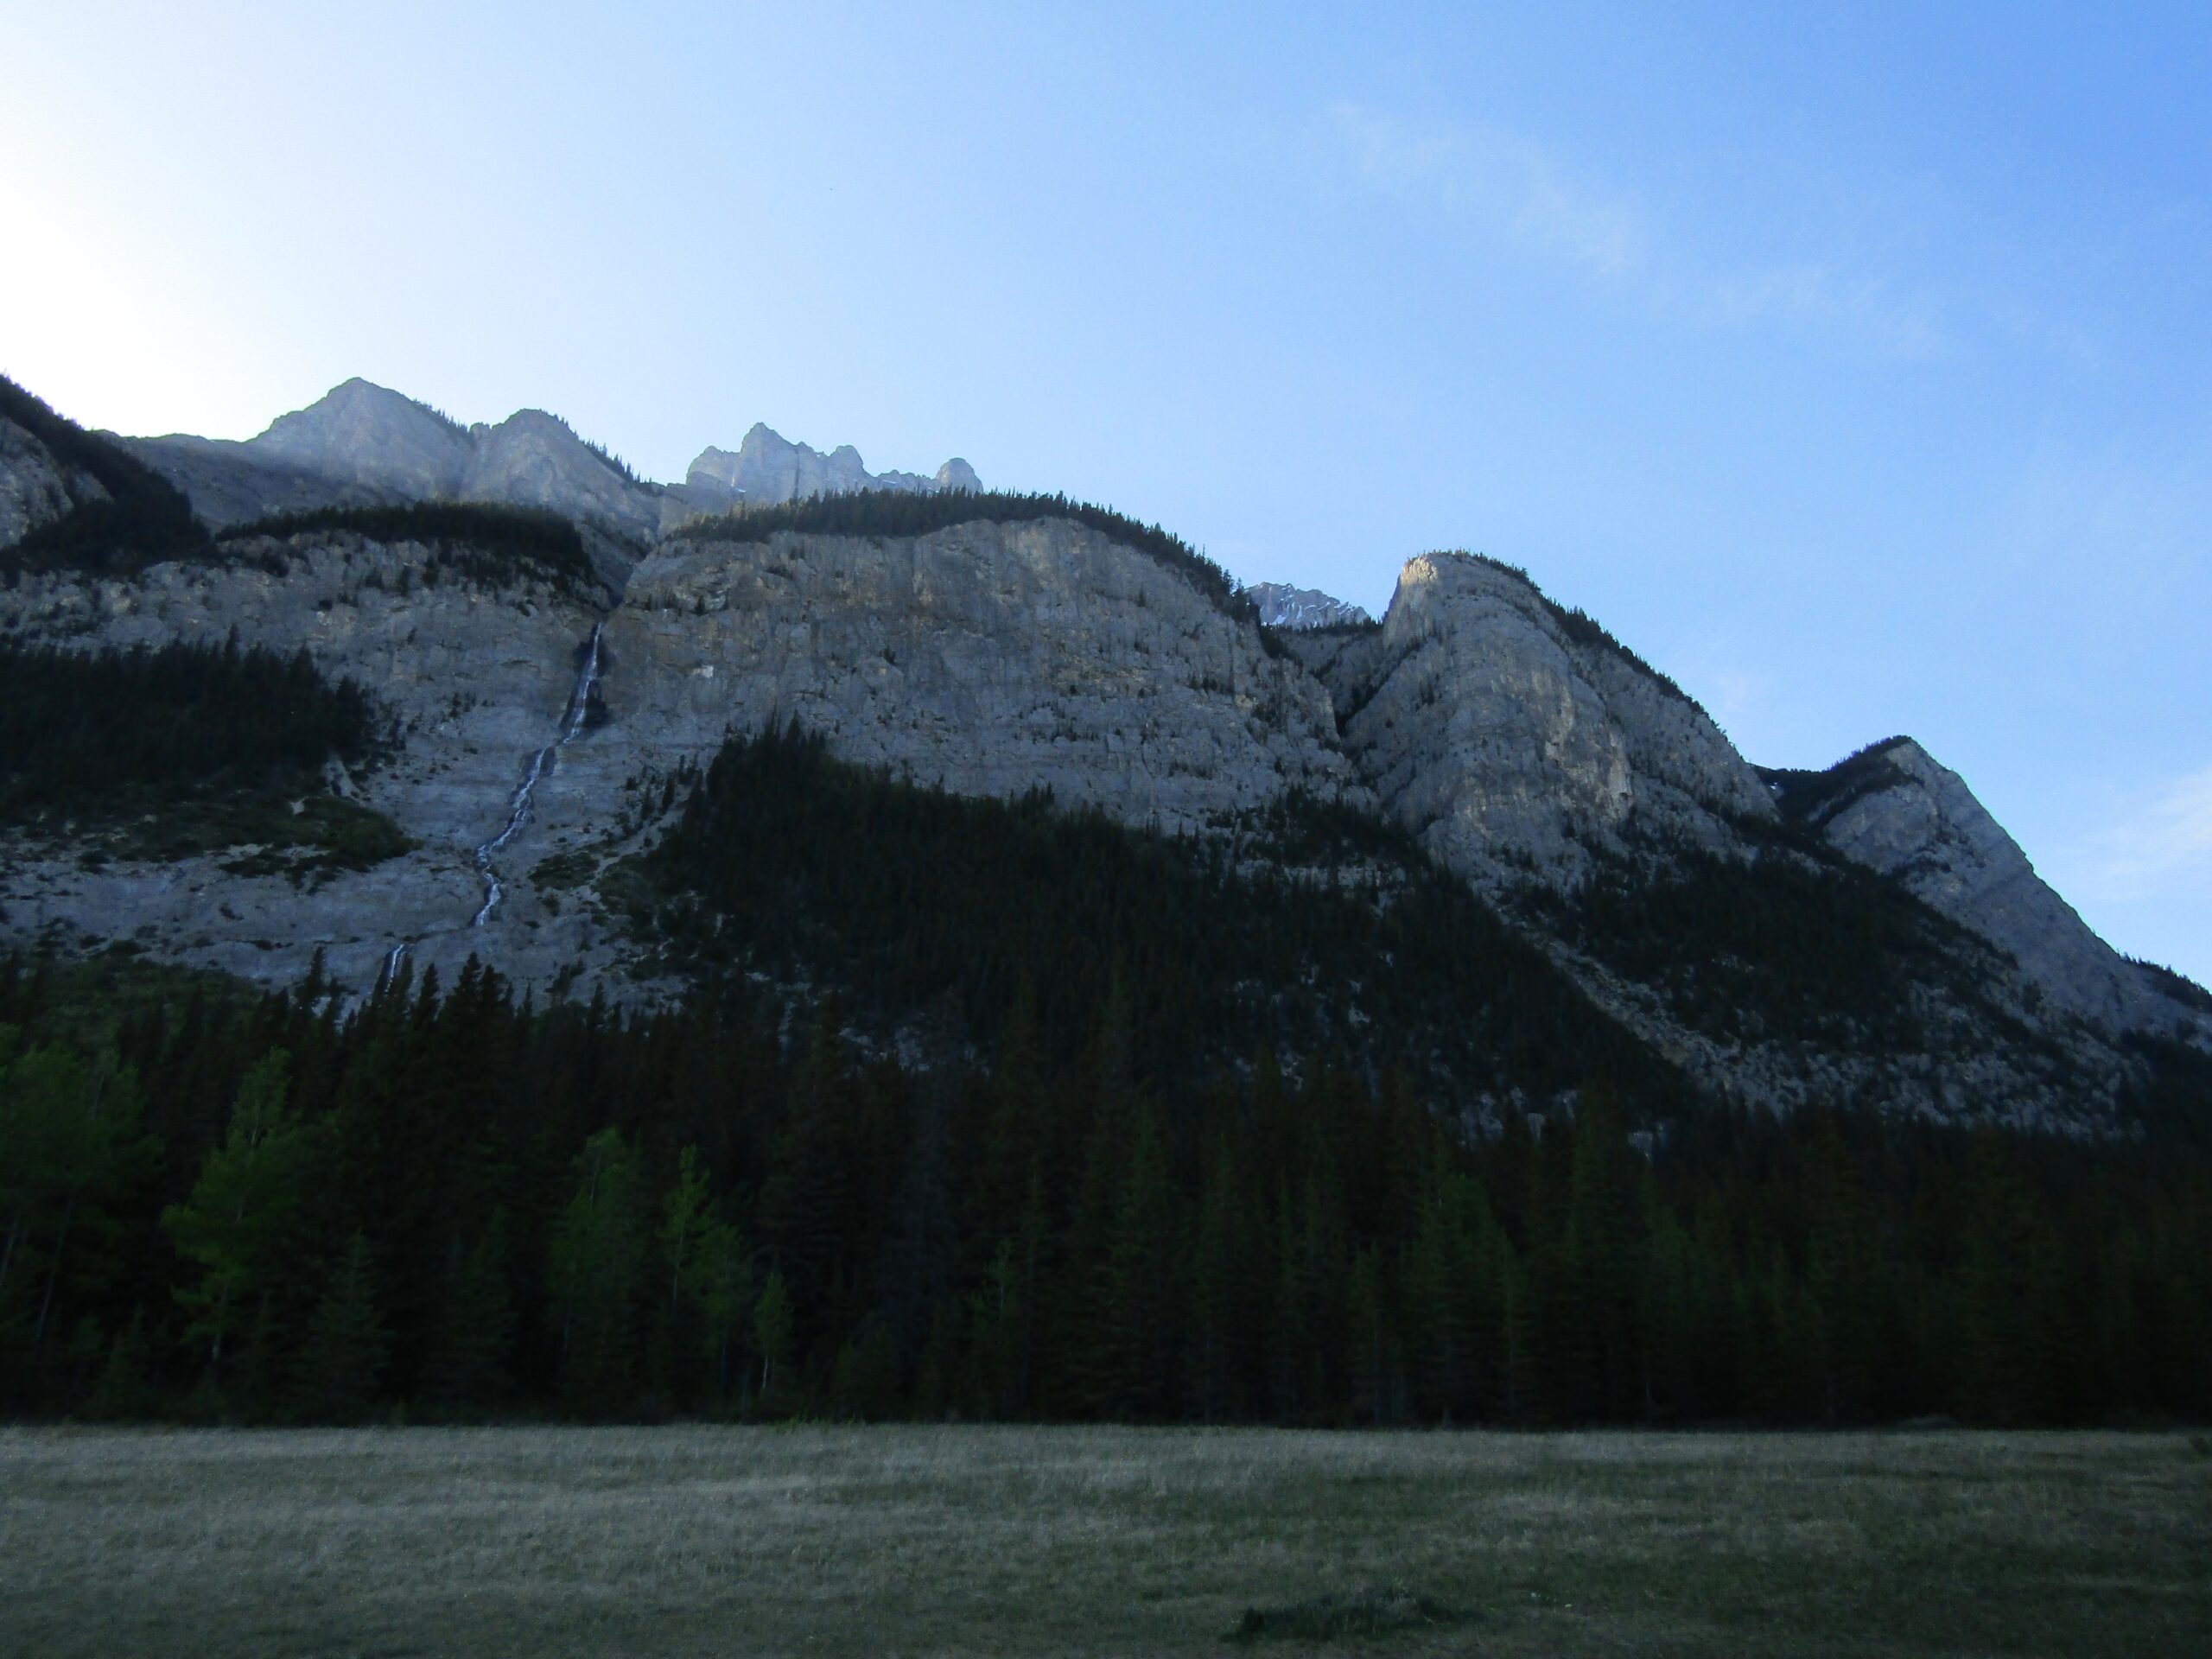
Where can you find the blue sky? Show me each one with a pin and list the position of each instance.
(1852, 363)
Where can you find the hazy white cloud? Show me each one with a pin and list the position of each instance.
(1904, 325)
(1514, 186)
(1520, 192)
(2163, 843)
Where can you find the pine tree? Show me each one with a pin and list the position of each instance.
(1222, 1290)
(122, 1393)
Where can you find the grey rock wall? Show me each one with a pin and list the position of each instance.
(1510, 746)
(477, 680)
(1924, 827)
(992, 658)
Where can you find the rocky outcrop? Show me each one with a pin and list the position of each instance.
(1894, 808)
(1513, 737)
(993, 658)
(1284, 607)
(768, 469)
(35, 487)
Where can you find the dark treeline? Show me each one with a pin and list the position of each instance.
(482, 542)
(919, 512)
(1792, 943)
(1311, 928)
(145, 519)
(444, 1204)
(186, 747)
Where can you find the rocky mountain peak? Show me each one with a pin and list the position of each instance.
(1282, 605)
(362, 433)
(1895, 808)
(768, 469)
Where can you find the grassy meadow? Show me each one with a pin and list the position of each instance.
(376, 1544)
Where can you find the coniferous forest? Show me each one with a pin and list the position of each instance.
(913, 1151)
(162, 753)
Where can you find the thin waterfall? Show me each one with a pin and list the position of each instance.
(572, 725)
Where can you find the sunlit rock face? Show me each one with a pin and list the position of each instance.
(993, 658)
(1913, 818)
(1513, 742)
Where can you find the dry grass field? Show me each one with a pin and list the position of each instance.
(1021, 1541)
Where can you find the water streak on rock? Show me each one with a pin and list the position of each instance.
(572, 724)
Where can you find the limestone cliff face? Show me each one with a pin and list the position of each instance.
(475, 678)
(994, 659)
(35, 488)
(1903, 813)
(1512, 739)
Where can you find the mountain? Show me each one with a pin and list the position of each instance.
(621, 949)
(1894, 808)
(1285, 606)
(1772, 939)
(363, 445)
(768, 470)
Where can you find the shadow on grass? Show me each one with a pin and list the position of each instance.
(1381, 1610)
